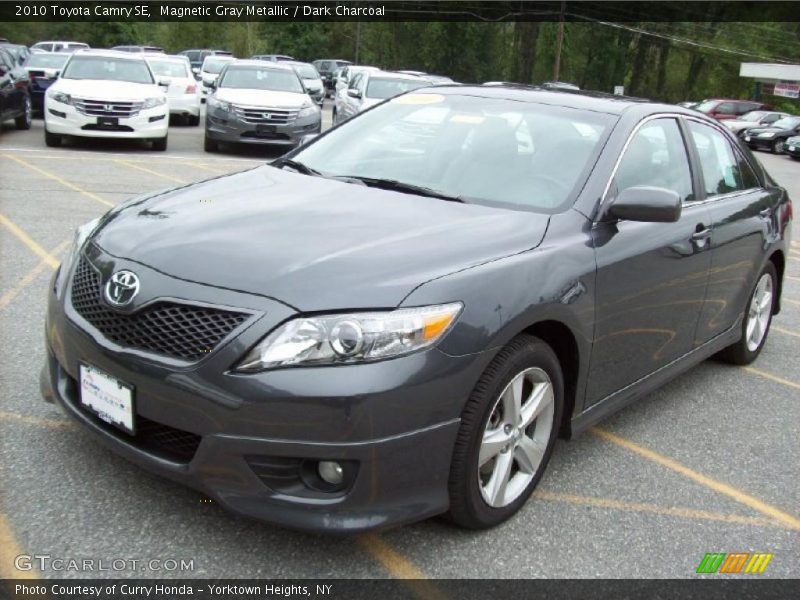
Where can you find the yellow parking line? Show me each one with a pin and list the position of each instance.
(785, 331)
(792, 257)
(399, 566)
(6, 298)
(792, 278)
(36, 421)
(127, 163)
(58, 179)
(29, 242)
(772, 512)
(772, 377)
(668, 511)
(9, 550)
(790, 301)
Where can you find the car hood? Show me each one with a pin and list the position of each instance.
(311, 242)
(107, 90)
(739, 125)
(313, 84)
(262, 98)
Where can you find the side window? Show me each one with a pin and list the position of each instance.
(726, 108)
(355, 81)
(656, 156)
(749, 179)
(721, 172)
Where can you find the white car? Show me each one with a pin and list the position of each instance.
(212, 67)
(346, 75)
(368, 88)
(59, 46)
(312, 81)
(106, 94)
(755, 118)
(183, 91)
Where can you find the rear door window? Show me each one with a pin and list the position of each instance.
(722, 172)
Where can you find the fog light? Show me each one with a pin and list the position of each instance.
(330, 472)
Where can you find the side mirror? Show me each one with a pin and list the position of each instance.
(164, 81)
(210, 84)
(57, 74)
(645, 203)
(354, 93)
(196, 70)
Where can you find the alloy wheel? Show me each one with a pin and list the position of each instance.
(759, 312)
(515, 437)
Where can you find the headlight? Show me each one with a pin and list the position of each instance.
(219, 104)
(153, 102)
(766, 134)
(81, 235)
(308, 109)
(60, 97)
(351, 338)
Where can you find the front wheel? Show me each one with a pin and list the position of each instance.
(51, 140)
(24, 120)
(210, 145)
(159, 144)
(756, 321)
(777, 147)
(508, 428)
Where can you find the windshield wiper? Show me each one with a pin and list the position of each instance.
(406, 188)
(297, 166)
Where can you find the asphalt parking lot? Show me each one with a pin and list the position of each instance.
(710, 463)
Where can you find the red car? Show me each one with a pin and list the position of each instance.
(722, 109)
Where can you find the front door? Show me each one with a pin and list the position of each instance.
(651, 277)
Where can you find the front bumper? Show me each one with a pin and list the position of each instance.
(757, 142)
(396, 420)
(64, 119)
(224, 127)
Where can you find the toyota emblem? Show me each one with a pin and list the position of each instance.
(122, 288)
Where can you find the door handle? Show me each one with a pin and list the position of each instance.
(702, 233)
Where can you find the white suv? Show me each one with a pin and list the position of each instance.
(106, 94)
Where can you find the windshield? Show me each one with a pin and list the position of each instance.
(706, 106)
(47, 60)
(753, 115)
(169, 68)
(379, 87)
(259, 78)
(214, 65)
(307, 72)
(490, 151)
(104, 67)
(787, 123)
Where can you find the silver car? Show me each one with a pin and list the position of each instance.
(368, 88)
(312, 80)
(259, 102)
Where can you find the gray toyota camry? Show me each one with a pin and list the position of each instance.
(398, 319)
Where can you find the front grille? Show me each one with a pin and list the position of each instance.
(176, 330)
(266, 116)
(164, 440)
(106, 108)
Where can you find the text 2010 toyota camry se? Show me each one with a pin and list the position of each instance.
(399, 318)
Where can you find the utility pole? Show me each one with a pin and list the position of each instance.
(559, 43)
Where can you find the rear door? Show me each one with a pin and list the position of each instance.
(6, 85)
(651, 277)
(742, 224)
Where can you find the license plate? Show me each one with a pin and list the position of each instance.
(108, 122)
(107, 397)
(266, 129)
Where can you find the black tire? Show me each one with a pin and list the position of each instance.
(210, 145)
(793, 157)
(160, 144)
(52, 140)
(739, 353)
(193, 120)
(777, 147)
(24, 120)
(468, 509)
(333, 116)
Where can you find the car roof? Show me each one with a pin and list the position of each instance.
(111, 54)
(263, 64)
(578, 99)
(395, 75)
